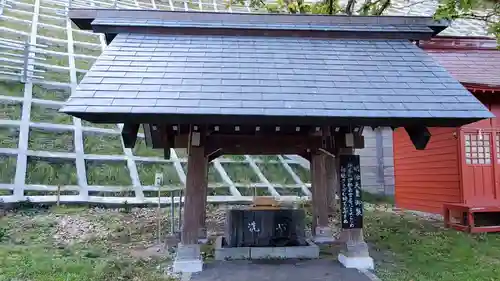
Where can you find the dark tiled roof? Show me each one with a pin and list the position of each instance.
(263, 76)
(471, 67)
(83, 18)
(474, 61)
(344, 27)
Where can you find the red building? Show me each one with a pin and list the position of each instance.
(460, 168)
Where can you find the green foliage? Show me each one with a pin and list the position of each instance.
(472, 9)
(448, 9)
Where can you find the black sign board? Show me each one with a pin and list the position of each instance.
(350, 191)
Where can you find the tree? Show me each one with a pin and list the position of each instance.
(447, 9)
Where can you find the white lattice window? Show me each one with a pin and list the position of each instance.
(497, 146)
(478, 148)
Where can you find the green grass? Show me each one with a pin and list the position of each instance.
(9, 137)
(235, 157)
(46, 114)
(212, 174)
(55, 75)
(240, 173)
(106, 144)
(259, 191)
(102, 126)
(61, 47)
(7, 168)
(11, 88)
(303, 173)
(266, 158)
(219, 191)
(85, 50)
(84, 63)
(88, 38)
(14, 14)
(288, 191)
(30, 250)
(49, 20)
(141, 149)
(10, 110)
(377, 198)
(409, 249)
(79, 76)
(15, 25)
(58, 141)
(57, 33)
(276, 173)
(49, 171)
(107, 173)
(46, 92)
(148, 170)
(14, 36)
(55, 59)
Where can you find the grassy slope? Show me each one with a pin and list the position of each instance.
(405, 249)
(32, 247)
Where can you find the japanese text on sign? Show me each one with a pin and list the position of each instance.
(350, 185)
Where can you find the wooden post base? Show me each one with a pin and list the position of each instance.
(188, 258)
(355, 254)
(323, 235)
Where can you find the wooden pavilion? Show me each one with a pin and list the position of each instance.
(218, 83)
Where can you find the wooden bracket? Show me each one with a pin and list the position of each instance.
(214, 154)
(129, 134)
(419, 135)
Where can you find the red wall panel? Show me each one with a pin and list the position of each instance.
(425, 179)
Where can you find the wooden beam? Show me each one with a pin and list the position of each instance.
(262, 144)
(196, 180)
(214, 155)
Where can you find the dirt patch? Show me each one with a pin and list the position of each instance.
(70, 229)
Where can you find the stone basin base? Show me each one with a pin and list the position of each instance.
(311, 251)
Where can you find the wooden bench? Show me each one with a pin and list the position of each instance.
(462, 217)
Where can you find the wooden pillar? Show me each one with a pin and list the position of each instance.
(333, 185)
(355, 253)
(202, 233)
(194, 195)
(319, 194)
